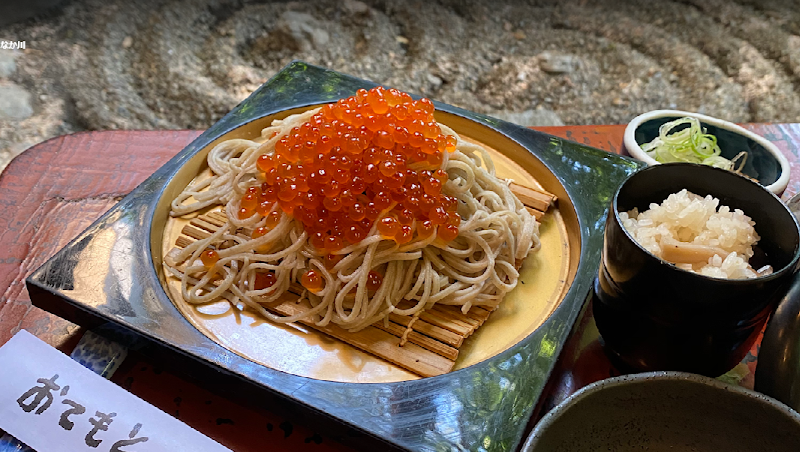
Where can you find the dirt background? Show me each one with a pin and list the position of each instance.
(121, 64)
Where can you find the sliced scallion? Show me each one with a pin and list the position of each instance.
(690, 144)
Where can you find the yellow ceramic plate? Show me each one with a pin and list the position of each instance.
(299, 350)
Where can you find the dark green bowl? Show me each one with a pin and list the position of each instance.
(666, 411)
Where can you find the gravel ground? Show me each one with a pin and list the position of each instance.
(94, 65)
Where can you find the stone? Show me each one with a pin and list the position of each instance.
(15, 103)
(7, 64)
(355, 7)
(304, 29)
(540, 117)
(434, 80)
(558, 63)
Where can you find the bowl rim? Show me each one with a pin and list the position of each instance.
(643, 378)
(630, 144)
(776, 273)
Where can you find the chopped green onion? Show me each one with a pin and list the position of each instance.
(719, 162)
(691, 144)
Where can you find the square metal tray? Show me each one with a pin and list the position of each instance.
(108, 276)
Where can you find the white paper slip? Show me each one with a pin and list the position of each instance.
(53, 404)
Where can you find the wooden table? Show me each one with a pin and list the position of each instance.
(54, 190)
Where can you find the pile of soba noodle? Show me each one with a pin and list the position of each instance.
(476, 269)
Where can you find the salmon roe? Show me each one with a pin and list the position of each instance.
(312, 281)
(209, 258)
(373, 157)
(374, 281)
(264, 280)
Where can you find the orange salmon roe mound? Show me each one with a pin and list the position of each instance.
(350, 167)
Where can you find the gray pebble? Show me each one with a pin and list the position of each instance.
(15, 103)
(304, 29)
(558, 63)
(7, 64)
(355, 7)
(434, 80)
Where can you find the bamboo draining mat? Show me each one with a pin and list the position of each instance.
(432, 340)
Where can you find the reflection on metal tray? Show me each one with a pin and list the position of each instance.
(110, 274)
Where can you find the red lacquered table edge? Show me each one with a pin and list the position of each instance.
(55, 189)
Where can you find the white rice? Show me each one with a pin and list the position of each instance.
(690, 219)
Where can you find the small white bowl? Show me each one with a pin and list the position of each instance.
(765, 160)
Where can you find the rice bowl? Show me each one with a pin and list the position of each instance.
(652, 314)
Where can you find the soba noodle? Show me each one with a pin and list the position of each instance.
(477, 268)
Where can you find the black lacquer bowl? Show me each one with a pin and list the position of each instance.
(111, 276)
(653, 315)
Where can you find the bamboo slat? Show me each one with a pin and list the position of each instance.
(537, 199)
(538, 214)
(445, 336)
